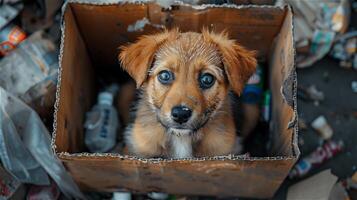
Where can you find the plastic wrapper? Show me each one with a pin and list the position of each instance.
(25, 147)
(7, 13)
(35, 59)
(323, 153)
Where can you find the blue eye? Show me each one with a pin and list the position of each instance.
(165, 77)
(206, 80)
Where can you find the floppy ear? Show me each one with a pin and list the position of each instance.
(137, 58)
(239, 63)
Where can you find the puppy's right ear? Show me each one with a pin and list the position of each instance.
(137, 58)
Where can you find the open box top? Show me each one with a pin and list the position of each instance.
(91, 35)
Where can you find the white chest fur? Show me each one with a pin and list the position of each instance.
(181, 146)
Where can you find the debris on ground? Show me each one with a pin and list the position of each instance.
(318, 186)
(11, 35)
(316, 26)
(354, 86)
(26, 150)
(322, 127)
(34, 60)
(311, 94)
(345, 50)
(316, 158)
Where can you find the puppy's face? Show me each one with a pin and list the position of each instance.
(187, 75)
(186, 84)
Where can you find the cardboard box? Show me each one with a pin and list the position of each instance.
(91, 34)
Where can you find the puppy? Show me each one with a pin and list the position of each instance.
(185, 110)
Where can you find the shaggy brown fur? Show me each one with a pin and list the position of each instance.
(211, 130)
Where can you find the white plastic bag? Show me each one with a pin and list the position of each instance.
(25, 147)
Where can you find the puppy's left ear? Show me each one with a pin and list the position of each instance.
(137, 58)
(239, 63)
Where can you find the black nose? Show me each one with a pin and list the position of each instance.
(181, 114)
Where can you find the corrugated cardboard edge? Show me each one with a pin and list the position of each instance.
(293, 123)
(292, 79)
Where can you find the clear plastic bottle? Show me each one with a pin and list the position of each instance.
(101, 125)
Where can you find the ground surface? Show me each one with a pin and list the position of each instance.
(339, 107)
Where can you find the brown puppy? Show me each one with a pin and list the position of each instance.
(185, 78)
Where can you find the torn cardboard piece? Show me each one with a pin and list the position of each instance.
(316, 187)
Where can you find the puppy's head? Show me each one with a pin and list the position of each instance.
(186, 76)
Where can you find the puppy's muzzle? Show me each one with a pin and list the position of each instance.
(181, 114)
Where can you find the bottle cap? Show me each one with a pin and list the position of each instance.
(105, 98)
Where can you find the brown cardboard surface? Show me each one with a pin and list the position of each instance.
(253, 27)
(221, 177)
(77, 88)
(100, 29)
(283, 87)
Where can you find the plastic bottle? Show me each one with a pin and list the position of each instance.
(121, 196)
(266, 106)
(317, 158)
(101, 125)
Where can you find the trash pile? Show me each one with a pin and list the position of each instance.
(320, 29)
(29, 41)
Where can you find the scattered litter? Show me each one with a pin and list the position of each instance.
(14, 155)
(33, 61)
(25, 147)
(315, 94)
(10, 36)
(316, 158)
(43, 192)
(316, 26)
(345, 50)
(311, 94)
(41, 97)
(354, 86)
(318, 186)
(322, 127)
